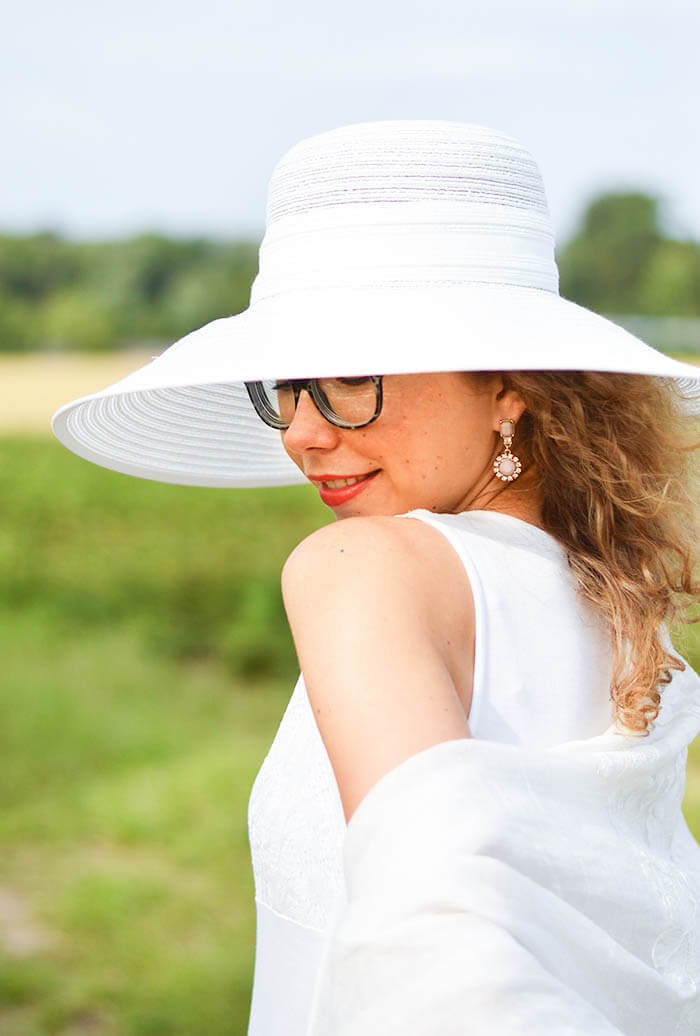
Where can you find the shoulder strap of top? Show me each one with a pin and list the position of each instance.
(513, 568)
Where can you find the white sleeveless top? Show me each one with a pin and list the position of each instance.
(542, 675)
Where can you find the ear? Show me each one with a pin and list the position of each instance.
(509, 406)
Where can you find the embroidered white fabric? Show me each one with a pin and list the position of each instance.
(554, 794)
(296, 822)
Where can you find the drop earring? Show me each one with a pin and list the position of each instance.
(507, 466)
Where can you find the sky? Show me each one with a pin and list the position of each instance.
(138, 115)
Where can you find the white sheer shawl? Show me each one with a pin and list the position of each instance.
(496, 889)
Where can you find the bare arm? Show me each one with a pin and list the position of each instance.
(382, 617)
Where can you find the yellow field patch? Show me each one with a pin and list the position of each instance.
(34, 385)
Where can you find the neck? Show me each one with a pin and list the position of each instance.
(521, 499)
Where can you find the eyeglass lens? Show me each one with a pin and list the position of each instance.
(352, 401)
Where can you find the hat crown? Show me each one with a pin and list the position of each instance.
(406, 161)
(406, 203)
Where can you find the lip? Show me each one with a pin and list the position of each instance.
(336, 497)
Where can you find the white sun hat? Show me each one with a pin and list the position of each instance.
(390, 248)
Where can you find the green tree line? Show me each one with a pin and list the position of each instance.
(61, 294)
(620, 261)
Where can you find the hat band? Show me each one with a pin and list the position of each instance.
(406, 245)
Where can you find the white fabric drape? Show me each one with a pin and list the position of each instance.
(496, 889)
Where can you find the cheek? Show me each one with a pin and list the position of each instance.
(424, 457)
(296, 458)
(455, 453)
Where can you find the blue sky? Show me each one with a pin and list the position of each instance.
(119, 117)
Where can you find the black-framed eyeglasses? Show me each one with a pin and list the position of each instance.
(345, 402)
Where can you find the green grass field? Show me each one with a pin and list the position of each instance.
(145, 665)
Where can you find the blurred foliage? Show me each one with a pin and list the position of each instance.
(210, 590)
(61, 294)
(145, 666)
(619, 261)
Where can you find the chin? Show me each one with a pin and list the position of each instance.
(357, 509)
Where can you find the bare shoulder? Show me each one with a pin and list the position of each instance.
(385, 555)
(353, 534)
(380, 613)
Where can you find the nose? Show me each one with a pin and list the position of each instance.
(309, 429)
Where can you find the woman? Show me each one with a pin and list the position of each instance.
(469, 820)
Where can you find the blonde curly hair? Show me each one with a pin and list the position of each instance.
(612, 459)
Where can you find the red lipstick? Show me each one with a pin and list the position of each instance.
(336, 497)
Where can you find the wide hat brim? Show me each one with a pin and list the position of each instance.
(186, 417)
